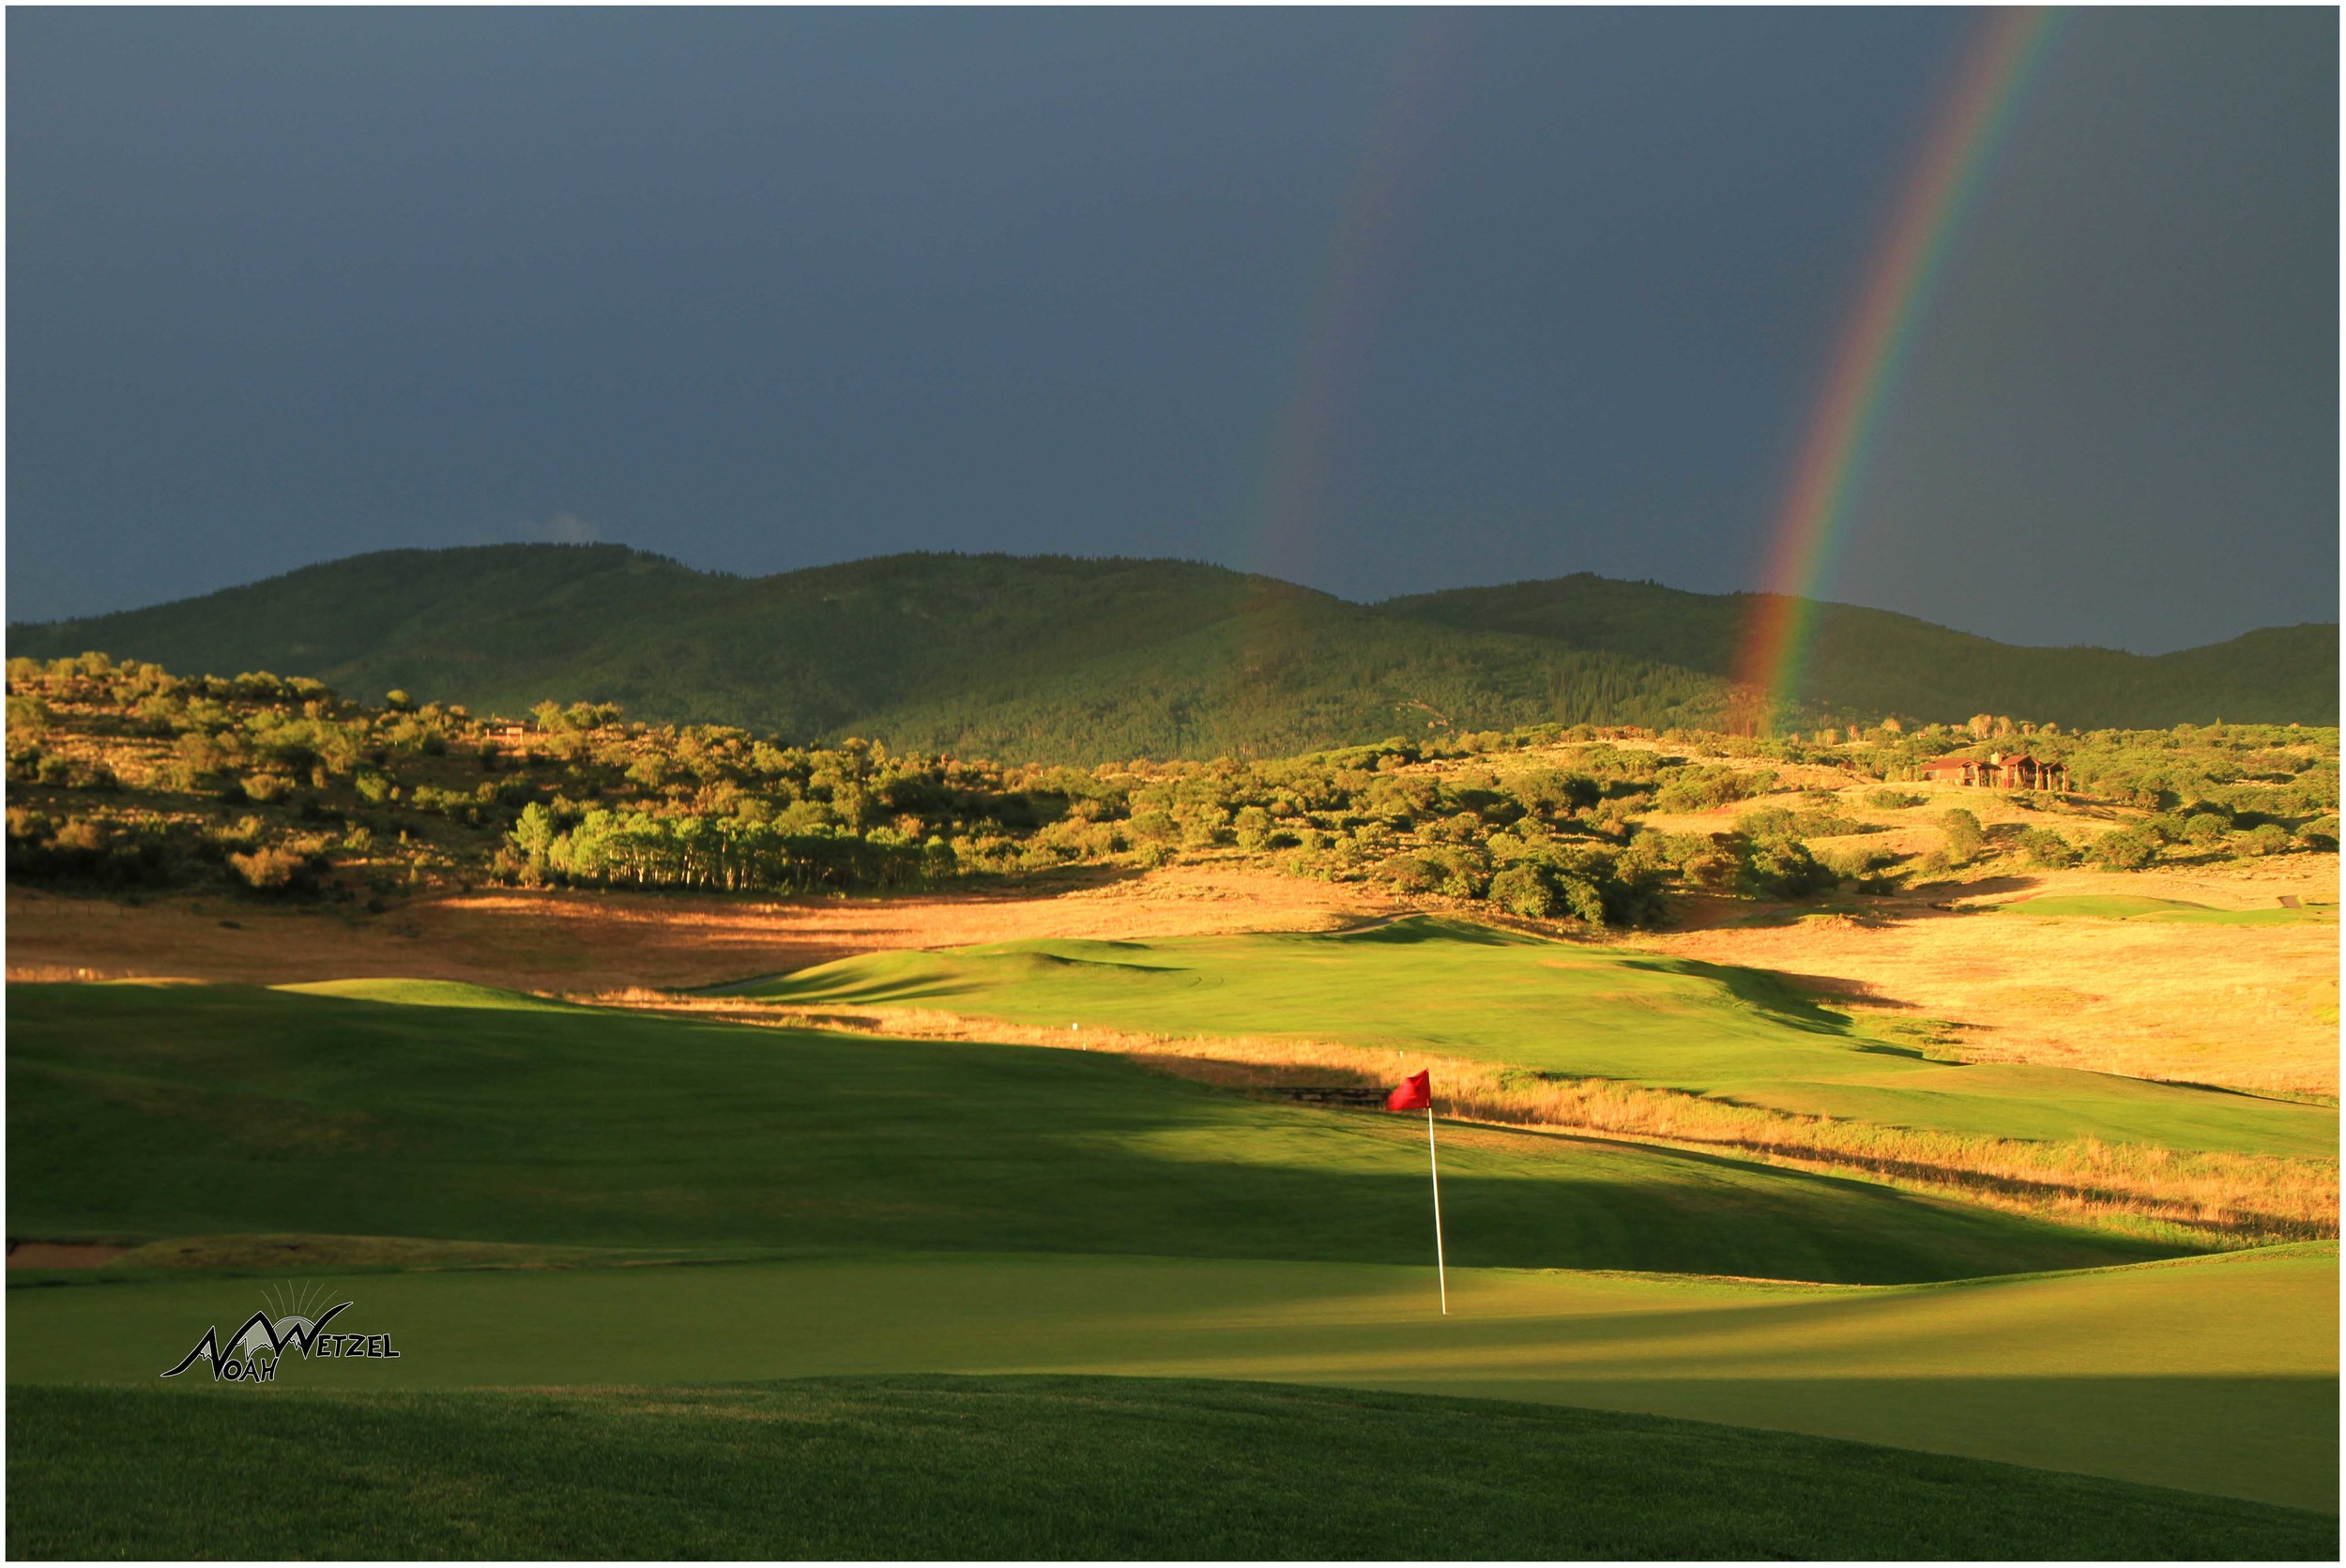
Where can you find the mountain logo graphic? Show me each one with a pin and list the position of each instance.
(292, 1321)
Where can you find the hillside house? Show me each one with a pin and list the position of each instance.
(518, 741)
(1996, 772)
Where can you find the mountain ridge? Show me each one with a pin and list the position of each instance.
(1087, 659)
(1959, 670)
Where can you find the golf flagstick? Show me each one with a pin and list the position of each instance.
(1419, 1091)
(1442, 1275)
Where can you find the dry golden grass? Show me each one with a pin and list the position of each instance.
(1910, 830)
(2246, 1007)
(547, 940)
(2207, 1198)
(2253, 1007)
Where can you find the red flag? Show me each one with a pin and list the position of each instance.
(1415, 1095)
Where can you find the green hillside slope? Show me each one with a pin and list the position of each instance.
(1084, 661)
(1450, 990)
(1870, 662)
(158, 1111)
(993, 655)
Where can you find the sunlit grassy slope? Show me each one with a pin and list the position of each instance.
(1445, 989)
(1031, 1468)
(2162, 911)
(428, 993)
(150, 1111)
(2216, 1374)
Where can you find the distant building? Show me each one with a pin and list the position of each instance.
(1996, 772)
(517, 741)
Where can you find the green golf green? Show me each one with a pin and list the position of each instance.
(2216, 1374)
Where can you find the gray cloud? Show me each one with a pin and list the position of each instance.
(784, 286)
(561, 528)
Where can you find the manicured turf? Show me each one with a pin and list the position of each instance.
(2163, 911)
(1034, 1468)
(1437, 988)
(429, 992)
(914, 1208)
(2215, 1374)
(154, 1111)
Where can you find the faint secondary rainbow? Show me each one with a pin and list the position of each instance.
(1333, 351)
(1966, 132)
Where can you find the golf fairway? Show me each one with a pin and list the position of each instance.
(1438, 988)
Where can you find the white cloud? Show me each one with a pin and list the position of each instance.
(561, 528)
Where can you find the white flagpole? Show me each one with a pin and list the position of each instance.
(1441, 1272)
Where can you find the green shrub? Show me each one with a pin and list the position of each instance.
(1465, 870)
(1583, 898)
(1410, 874)
(1525, 890)
(2269, 838)
(1701, 786)
(269, 870)
(28, 717)
(1854, 863)
(2206, 828)
(1204, 827)
(1599, 887)
(2045, 848)
(1780, 867)
(1155, 827)
(1964, 835)
(1548, 792)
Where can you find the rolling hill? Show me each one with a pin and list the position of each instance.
(560, 1135)
(1871, 662)
(1088, 659)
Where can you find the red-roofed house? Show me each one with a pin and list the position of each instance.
(1996, 772)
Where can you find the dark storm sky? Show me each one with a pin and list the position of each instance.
(1379, 301)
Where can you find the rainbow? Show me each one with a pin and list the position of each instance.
(1965, 134)
(1333, 351)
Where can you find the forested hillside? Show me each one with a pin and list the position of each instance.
(126, 776)
(1051, 658)
(1871, 663)
(1014, 657)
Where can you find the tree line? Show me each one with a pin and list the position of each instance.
(126, 775)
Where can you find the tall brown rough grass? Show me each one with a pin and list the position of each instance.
(2199, 1198)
